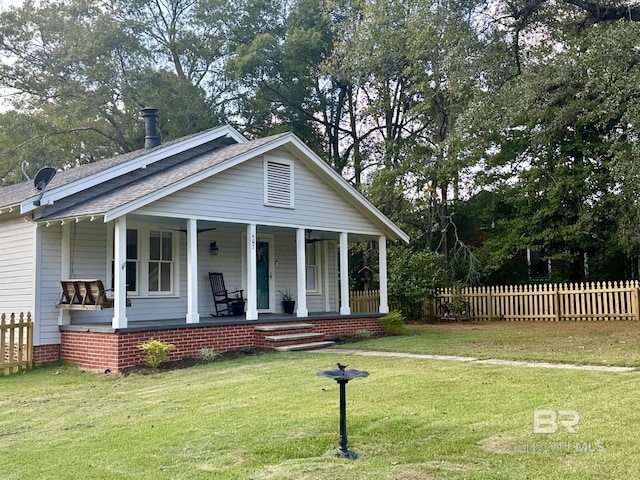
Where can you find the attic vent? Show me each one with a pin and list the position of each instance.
(278, 190)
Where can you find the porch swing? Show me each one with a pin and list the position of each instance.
(85, 295)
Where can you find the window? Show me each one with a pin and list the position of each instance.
(278, 181)
(133, 260)
(151, 263)
(311, 258)
(160, 262)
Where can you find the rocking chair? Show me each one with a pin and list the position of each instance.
(222, 298)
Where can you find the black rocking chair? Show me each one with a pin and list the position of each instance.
(222, 298)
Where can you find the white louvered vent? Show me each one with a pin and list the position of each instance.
(279, 183)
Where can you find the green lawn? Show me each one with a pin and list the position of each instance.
(594, 343)
(271, 417)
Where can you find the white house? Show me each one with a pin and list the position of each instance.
(151, 224)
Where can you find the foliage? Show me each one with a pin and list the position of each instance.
(287, 295)
(208, 355)
(393, 323)
(412, 274)
(363, 334)
(156, 352)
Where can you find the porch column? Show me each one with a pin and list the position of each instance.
(64, 316)
(120, 274)
(301, 269)
(382, 261)
(252, 273)
(344, 275)
(192, 271)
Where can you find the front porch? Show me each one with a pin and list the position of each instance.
(100, 346)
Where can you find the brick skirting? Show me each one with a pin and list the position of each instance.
(46, 353)
(119, 350)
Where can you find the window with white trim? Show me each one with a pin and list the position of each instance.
(151, 262)
(278, 182)
(160, 262)
(312, 255)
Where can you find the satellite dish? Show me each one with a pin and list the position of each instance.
(41, 180)
(43, 177)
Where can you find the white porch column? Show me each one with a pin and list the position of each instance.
(64, 316)
(192, 271)
(252, 273)
(301, 269)
(120, 274)
(344, 275)
(382, 261)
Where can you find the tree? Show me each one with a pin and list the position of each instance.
(556, 131)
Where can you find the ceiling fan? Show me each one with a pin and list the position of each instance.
(314, 240)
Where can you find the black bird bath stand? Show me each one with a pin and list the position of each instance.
(342, 376)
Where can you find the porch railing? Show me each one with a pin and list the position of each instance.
(16, 342)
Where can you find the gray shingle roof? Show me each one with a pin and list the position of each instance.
(15, 194)
(142, 182)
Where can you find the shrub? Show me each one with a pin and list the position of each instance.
(393, 323)
(412, 274)
(208, 355)
(363, 334)
(156, 352)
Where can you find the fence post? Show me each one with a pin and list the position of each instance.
(636, 303)
(556, 303)
(490, 304)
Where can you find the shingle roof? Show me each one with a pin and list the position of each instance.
(15, 194)
(142, 182)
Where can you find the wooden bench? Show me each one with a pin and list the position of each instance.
(80, 294)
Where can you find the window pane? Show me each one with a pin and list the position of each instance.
(154, 246)
(165, 277)
(310, 254)
(132, 244)
(154, 280)
(167, 250)
(311, 278)
(132, 276)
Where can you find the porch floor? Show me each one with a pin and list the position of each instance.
(137, 326)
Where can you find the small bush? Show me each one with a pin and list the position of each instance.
(363, 334)
(208, 355)
(156, 352)
(393, 323)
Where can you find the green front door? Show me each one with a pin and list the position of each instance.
(262, 255)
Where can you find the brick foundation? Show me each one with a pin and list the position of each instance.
(119, 350)
(46, 353)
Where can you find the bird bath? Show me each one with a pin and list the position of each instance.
(343, 376)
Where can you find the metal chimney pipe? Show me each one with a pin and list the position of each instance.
(151, 138)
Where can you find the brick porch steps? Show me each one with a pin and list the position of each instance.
(289, 337)
(305, 346)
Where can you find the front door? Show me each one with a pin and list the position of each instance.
(263, 268)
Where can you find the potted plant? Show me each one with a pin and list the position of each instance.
(288, 301)
(237, 307)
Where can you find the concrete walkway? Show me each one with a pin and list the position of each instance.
(490, 361)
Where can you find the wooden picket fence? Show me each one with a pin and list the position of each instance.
(16, 343)
(542, 302)
(364, 301)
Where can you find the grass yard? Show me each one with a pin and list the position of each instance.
(592, 343)
(271, 417)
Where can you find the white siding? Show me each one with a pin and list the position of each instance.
(17, 239)
(238, 195)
